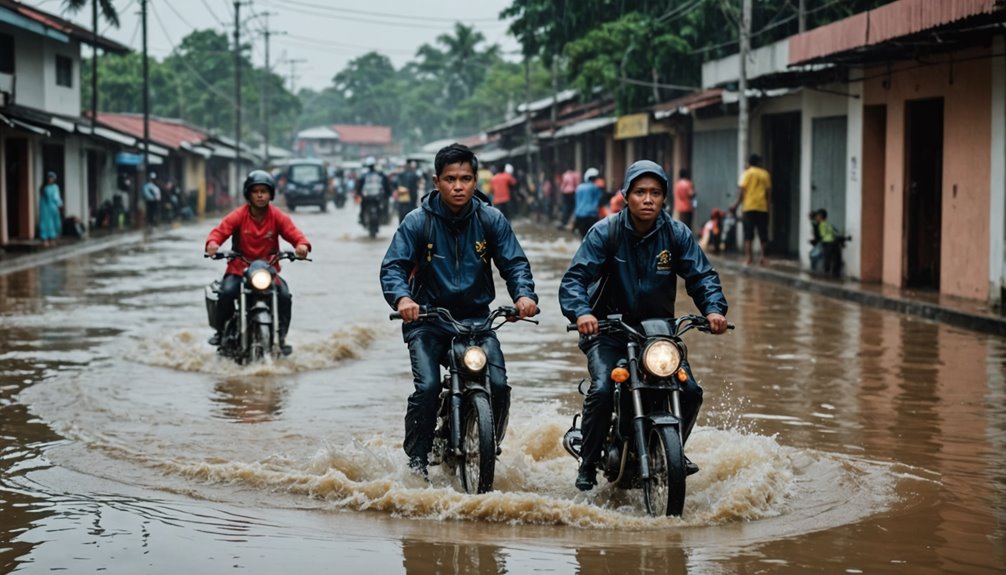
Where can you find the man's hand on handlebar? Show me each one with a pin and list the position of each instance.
(525, 307)
(301, 251)
(717, 323)
(408, 309)
(586, 324)
(212, 248)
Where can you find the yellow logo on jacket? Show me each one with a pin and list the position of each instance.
(480, 248)
(664, 261)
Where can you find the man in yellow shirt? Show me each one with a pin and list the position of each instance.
(755, 194)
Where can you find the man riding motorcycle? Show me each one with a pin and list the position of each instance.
(628, 264)
(373, 186)
(441, 256)
(255, 229)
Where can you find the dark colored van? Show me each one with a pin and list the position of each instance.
(305, 184)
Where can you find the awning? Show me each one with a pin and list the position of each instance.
(687, 104)
(584, 127)
(131, 159)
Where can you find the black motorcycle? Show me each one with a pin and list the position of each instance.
(465, 434)
(644, 444)
(374, 213)
(252, 332)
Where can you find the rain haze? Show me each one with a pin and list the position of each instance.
(310, 41)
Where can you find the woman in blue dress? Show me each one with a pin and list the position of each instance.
(50, 223)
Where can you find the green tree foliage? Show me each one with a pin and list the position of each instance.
(195, 83)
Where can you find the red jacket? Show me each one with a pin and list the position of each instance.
(253, 239)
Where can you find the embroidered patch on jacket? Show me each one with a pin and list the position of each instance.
(268, 234)
(664, 261)
(480, 248)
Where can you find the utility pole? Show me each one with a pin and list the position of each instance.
(146, 100)
(265, 100)
(94, 64)
(237, 84)
(293, 74)
(742, 112)
(802, 13)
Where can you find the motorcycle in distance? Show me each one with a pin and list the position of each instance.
(375, 212)
(644, 446)
(465, 434)
(252, 332)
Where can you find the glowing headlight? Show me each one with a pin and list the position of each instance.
(474, 359)
(261, 280)
(661, 358)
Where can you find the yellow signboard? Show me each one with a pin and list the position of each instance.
(632, 126)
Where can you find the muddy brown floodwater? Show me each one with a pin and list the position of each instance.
(834, 438)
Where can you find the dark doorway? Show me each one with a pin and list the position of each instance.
(95, 165)
(923, 192)
(52, 161)
(18, 226)
(782, 159)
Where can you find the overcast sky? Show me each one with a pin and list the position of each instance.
(314, 39)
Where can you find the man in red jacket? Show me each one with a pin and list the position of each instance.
(255, 229)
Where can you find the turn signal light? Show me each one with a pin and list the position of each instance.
(682, 376)
(619, 375)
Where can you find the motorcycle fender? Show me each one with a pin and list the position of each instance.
(663, 419)
(260, 316)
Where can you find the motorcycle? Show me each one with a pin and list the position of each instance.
(644, 447)
(340, 195)
(465, 434)
(373, 212)
(252, 331)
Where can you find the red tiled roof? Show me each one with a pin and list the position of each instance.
(352, 134)
(168, 133)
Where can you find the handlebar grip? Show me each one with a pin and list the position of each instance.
(394, 315)
(731, 326)
(571, 327)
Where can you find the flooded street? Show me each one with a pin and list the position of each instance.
(833, 438)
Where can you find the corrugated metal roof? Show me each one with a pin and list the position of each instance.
(171, 134)
(354, 134)
(53, 22)
(888, 22)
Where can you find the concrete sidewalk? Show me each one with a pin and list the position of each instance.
(22, 257)
(968, 314)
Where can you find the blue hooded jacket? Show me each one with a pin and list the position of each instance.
(642, 271)
(458, 275)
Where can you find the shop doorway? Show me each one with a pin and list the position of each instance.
(18, 220)
(782, 159)
(923, 192)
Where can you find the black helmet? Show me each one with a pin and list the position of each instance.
(260, 177)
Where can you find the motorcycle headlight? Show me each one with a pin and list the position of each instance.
(661, 358)
(474, 359)
(261, 280)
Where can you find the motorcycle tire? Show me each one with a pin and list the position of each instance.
(478, 445)
(664, 491)
(372, 226)
(261, 344)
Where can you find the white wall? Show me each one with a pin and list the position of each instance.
(35, 73)
(817, 105)
(997, 188)
(854, 174)
(74, 184)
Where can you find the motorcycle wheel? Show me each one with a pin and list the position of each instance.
(478, 445)
(262, 343)
(372, 224)
(664, 491)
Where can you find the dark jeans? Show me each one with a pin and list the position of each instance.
(603, 352)
(153, 211)
(427, 345)
(230, 289)
(568, 205)
(584, 223)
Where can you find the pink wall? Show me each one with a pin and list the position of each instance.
(966, 89)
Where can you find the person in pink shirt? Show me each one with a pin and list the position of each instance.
(684, 198)
(570, 180)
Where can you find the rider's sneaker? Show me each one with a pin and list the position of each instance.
(690, 468)
(586, 477)
(417, 465)
(214, 339)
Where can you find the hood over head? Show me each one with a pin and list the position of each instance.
(642, 168)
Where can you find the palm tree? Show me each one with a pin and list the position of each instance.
(111, 16)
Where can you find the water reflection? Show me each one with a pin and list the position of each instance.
(249, 400)
(668, 560)
(439, 558)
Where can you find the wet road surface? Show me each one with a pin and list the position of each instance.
(833, 438)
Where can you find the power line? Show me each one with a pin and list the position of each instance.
(212, 13)
(406, 17)
(184, 61)
(319, 42)
(315, 12)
